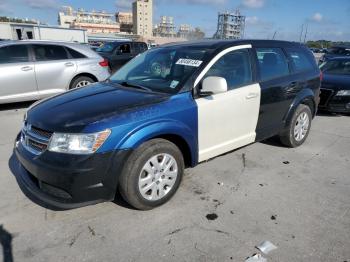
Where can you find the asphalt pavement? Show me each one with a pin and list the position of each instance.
(299, 199)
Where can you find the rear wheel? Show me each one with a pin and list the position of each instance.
(152, 174)
(81, 81)
(299, 127)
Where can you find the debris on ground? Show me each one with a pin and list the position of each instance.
(212, 216)
(273, 217)
(266, 247)
(286, 162)
(256, 258)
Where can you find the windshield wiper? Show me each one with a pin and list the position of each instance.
(128, 84)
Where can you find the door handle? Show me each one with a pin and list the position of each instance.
(26, 68)
(252, 95)
(69, 64)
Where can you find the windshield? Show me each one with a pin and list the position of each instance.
(336, 67)
(162, 69)
(106, 48)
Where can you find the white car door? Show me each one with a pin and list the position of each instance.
(53, 69)
(17, 77)
(228, 120)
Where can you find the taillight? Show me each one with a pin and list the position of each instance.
(104, 63)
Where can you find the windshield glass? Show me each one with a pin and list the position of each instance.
(162, 69)
(336, 67)
(106, 48)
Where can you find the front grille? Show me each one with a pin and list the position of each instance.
(41, 132)
(34, 139)
(325, 96)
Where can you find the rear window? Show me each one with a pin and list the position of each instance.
(336, 67)
(49, 52)
(14, 54)
(75, 54)
(272, 63)
(339, 51)
(301, 61)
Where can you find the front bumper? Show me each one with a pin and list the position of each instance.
(69, 181)
(333, 103)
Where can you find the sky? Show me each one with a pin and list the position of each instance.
(325, 19)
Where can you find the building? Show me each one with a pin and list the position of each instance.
(230, 25)
(125, 21)
(165, 28)
(93, 22)
(142, 11)
(185, 31)
(24, 31)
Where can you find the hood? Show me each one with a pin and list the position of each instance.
(74, 110)
(336, 82)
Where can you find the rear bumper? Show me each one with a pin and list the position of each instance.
(69, 181)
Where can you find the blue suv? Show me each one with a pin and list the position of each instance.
(167, 109)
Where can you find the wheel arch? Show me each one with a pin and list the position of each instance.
(306, 97)
(93, 77)
(179, 134)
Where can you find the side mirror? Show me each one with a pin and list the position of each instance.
(119, 52)
(213, 85)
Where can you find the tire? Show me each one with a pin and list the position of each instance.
(158, 185)
(302, 117)
(81, 81)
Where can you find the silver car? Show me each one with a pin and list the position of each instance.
(31, 70)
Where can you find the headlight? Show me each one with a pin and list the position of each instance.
(78, 143)
(343, 93)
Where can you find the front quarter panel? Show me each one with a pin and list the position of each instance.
(175, 116)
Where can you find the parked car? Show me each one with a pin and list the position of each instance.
(32, 70)
(335, 88)
(335, 51)
(169, 108)
(118, 53)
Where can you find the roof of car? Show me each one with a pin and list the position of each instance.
(210, 43)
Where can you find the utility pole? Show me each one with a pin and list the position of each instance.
(274, 35)
(306, 31)
(301, 33)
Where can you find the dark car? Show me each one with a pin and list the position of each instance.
(169, 108)
(335, 51)
(119, 53)
(335, 88)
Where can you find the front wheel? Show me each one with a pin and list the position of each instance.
(152, 174)
(299, 127)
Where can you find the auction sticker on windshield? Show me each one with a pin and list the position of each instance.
(189, 62)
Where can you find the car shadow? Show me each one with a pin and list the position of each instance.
(6, 243)
(14, 167)
(273, 141)
(15, 106)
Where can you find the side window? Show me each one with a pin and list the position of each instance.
(235, 67)
(125, 49)
(272, 63)
(137, 48)
(301, 61)
(75, 54)
(14, 54)
(49, 52)
(144, 47)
